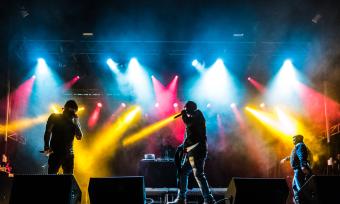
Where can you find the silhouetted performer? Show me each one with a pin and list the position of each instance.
(299, 161)
(59, 147)
(193, 151)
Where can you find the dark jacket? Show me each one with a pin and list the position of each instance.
(195, 129)
(63, 132)
(299, 156)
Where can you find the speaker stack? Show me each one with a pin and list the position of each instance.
(321, 190)
(42, 189)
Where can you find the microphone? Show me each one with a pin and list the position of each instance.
(46, 153)
(178, 115)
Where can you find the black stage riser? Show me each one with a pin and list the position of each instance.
(321, 190)
(122, 190)
(257, 190)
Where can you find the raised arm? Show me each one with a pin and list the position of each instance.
(187, 120)
(287, 158)
(48, 131)
(78, 132)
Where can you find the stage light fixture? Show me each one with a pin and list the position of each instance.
(113, 65)
(195, 62)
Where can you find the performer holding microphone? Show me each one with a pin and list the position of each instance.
(59, 136)
(191, 155)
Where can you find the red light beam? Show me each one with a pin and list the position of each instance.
(257, 85)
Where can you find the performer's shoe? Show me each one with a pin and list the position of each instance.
(178, 201)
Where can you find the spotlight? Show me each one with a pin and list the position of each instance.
(194, 62)
(42, 68)
(157, 105)
(123, 105)
(99, 105)
(113, 65)
(88, 34)
(55, 109)
(41, 61)
(249, 78)
(33, 77)
(287, 72)
(199, 66)
(175, 105)
(288, 61)
(23, 12)
(134, 62)
(78, 77)
(238, 35)
(208, 105)
(316, 18)
(262, 105)
(233, 105)
(219, 62)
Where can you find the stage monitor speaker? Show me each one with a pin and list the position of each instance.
(42, 189)
(257, 190)
(321, 190)
(122, 190)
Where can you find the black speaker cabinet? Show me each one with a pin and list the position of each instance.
(161, 174)
(257, 190)
(122, 190)
(42, 189)
(5, 187)
(321, 190)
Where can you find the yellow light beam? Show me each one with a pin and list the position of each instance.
(25, 123)
(105, 144)
(263, 117)
(147, 131)
(110, 136)
(268, 121)
(282, 124)
(286, 123)
(57, 108)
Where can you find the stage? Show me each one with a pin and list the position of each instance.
(108, 91)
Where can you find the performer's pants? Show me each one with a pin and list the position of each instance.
(298, 181)
(55, 161)
(195, 163)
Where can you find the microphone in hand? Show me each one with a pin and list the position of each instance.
(180, 114)
(47, 151)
